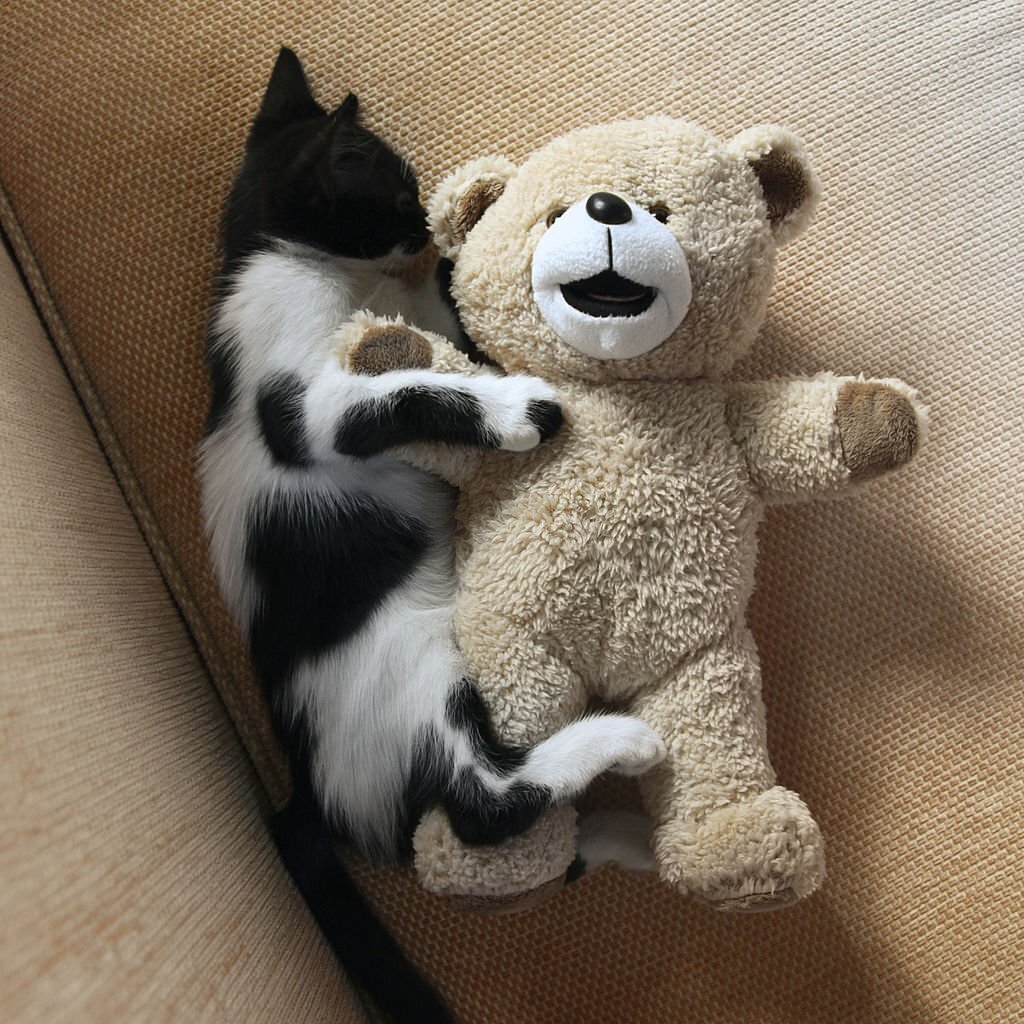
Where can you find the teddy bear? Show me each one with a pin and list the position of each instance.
(629, 265)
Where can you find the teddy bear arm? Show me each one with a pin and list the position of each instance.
(807, 438)
(370, 345)
(455, 465)
(787, 432)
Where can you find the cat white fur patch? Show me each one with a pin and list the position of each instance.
(616, 837)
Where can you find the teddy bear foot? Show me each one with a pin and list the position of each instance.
(756, 902)
(509, 903)
(516, 875)
(758, 855)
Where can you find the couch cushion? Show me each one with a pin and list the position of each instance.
(890, 624)
(139, 882)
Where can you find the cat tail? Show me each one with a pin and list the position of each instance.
(358, 938)
(492, 791)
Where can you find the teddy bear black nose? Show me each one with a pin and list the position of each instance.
(608, 208)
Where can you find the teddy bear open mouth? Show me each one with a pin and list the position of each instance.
(608, 294)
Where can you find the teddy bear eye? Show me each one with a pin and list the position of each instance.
(659, 212)
(554, 215)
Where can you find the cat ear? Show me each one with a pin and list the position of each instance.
(312, 163)
(349, 109)
(287, 96)
(310, 167)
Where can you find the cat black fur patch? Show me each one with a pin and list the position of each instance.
(546, 417)
(467, 713)
(221, 363)
(477, 814)
(479, 817)
(279, 407)
(322, 568)
(411, 414)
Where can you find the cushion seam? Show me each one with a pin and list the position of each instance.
(273, 783)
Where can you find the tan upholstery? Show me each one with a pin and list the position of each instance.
(138, 883)
(890, 625)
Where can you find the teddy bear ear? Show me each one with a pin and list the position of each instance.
(788, 183)
(463, 198)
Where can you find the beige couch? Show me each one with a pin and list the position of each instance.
(138, 880)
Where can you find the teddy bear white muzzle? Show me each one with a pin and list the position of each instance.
(610, 278)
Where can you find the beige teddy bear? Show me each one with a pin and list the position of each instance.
(630, 265)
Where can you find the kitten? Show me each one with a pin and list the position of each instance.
(338, 568)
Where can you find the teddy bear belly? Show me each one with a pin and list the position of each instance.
(621, 577)
(641, 599)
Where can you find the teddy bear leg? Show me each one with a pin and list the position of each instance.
(724, 832)
(528, 696)
(534, 702)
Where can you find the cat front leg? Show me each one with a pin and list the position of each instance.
(418, 388)
(363, 401)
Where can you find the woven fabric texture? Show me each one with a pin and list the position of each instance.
(890, 624)
(138, 880)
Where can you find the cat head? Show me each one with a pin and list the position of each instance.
(320, 179)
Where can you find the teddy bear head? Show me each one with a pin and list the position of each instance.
(631, 250)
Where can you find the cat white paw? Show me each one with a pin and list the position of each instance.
(637, 750)
(522, 412)
(570, 760)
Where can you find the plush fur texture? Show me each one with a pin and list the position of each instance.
(616, 562)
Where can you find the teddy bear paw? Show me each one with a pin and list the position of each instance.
(881, 423)
(760, 854)
(509, 877)
(387, 347)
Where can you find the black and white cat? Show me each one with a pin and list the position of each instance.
(337, 567)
